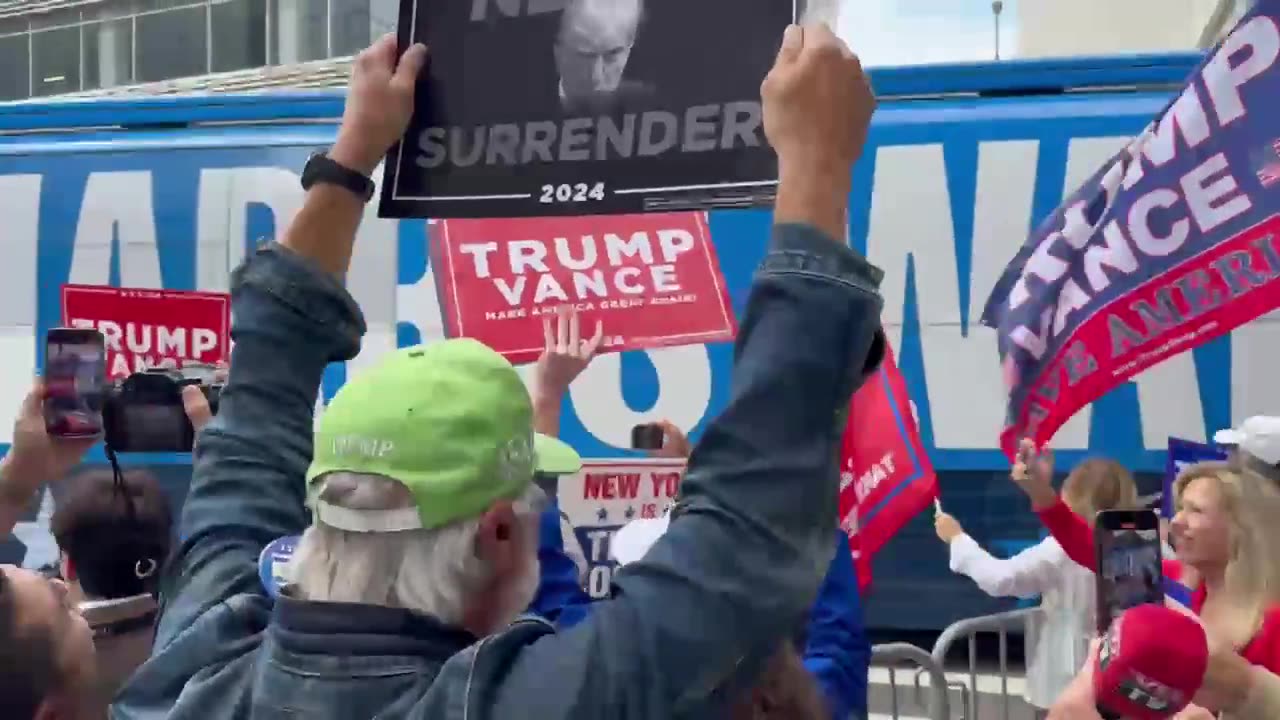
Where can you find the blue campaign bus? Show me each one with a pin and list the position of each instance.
(962, 161)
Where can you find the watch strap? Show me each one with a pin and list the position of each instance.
(321, 168)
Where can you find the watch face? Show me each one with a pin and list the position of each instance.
(310, 170)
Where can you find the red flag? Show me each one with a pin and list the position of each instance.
(885, 475)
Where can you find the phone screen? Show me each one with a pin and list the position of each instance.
(74, 378)
(646, 437)
(1129, 568)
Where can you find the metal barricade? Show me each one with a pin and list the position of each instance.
(893, 656)
(1000, 624)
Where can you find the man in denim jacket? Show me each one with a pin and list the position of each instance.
(688, 624)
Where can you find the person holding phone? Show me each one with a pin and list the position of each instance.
(49, 660)
(46, 646)
(1058, 636)
(1225, 532)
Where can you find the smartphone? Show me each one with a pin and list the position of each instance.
(1130, 572)
(75, 379)
(647, 436)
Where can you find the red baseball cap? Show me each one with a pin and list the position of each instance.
(1150, 664)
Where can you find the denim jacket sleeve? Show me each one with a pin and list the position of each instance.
(837, 652)
(560, 598)
(750, 536)
(289, 320)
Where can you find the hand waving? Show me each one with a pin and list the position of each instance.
(565, 353)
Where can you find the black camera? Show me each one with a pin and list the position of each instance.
(144, 413)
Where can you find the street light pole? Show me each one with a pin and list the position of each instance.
(997, 6)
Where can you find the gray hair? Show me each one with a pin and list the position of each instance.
(618, 12)
(430, 571)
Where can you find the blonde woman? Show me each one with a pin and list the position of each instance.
(1226, 530)
(1058, 636)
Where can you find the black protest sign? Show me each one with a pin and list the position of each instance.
(584, 107)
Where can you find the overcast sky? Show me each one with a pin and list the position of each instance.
(909, 32)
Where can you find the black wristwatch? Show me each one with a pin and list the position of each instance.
(320, 168)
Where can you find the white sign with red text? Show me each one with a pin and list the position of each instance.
(607, 494)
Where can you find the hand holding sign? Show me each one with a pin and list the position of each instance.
(817, 104)
(379, 103)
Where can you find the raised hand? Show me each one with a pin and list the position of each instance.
(1033, 473)
(817, 103)
(565, 352)
(379, 103)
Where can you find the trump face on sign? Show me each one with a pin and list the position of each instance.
(592, 49)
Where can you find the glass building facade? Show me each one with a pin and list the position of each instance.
(51, 47)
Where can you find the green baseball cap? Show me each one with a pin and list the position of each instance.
(450, 420)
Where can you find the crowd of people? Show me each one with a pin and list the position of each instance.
(430, 577)
(1222, 538)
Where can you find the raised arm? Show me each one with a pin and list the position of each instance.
(1033, 474)
(751, 534)
(1025, 575)
(566, 353)
(292, 317)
